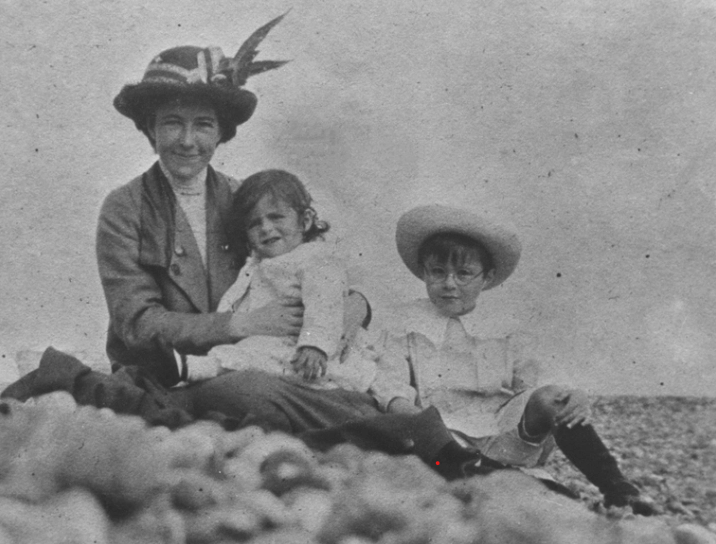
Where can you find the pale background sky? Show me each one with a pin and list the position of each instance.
(587, 124)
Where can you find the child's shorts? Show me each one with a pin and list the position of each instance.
(507, 446)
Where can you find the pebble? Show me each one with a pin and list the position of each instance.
(157, 522)
(311, 508)
(189, 448)
(690, 533)
(243, 475)
(352, 539)
(57, 402)
(259, 450)
(652, 479)
(195, 491)
(638, 453)
(74, 516)
(678, 508)
(291, 535)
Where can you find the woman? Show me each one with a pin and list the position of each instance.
(162, 241)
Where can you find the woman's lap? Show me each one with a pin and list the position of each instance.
(278, 402)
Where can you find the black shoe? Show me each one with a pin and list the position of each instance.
(625, 494)
(454, 462)
(481, 466)
(22, 389)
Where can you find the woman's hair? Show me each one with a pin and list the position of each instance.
(455, 249)
(282, 186)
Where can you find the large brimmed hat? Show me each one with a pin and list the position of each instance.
(199, 72)
(419, 224)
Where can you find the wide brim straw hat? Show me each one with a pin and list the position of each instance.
(500, 240)
(191, 72)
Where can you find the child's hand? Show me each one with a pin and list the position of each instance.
(576, 411)
(310, 362)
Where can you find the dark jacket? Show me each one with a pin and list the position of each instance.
(159, 296)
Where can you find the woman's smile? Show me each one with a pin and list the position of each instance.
(186, 137)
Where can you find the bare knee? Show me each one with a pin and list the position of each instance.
(542, 407)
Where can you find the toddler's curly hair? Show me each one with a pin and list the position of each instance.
(282, 186)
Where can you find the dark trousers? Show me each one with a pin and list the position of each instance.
(322, 418)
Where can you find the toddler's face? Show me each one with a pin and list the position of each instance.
(274, 228)
(454, 289)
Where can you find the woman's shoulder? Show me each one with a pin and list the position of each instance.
(123, 198)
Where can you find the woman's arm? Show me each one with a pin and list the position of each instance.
(138, 309)
(140, 314)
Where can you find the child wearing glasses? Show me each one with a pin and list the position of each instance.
(431, 356)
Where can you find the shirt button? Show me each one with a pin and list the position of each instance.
(225, 247)
(175, 269)
(179, 250)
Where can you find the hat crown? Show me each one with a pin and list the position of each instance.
(187, 64)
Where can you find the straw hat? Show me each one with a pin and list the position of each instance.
(199, 72)
(419, 224)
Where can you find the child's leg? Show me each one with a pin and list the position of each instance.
(583, 447)
(540, 412)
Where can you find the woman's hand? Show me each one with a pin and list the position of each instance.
(310, 362)
(577, 409)
(284, 318)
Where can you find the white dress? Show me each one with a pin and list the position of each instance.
(314, 274)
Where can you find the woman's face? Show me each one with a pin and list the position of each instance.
(186, 136)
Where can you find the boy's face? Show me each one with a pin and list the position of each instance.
(454, 289)
(274, 228)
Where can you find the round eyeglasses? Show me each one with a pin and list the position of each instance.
(462, 277)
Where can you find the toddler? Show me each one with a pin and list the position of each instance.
(289, 259)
